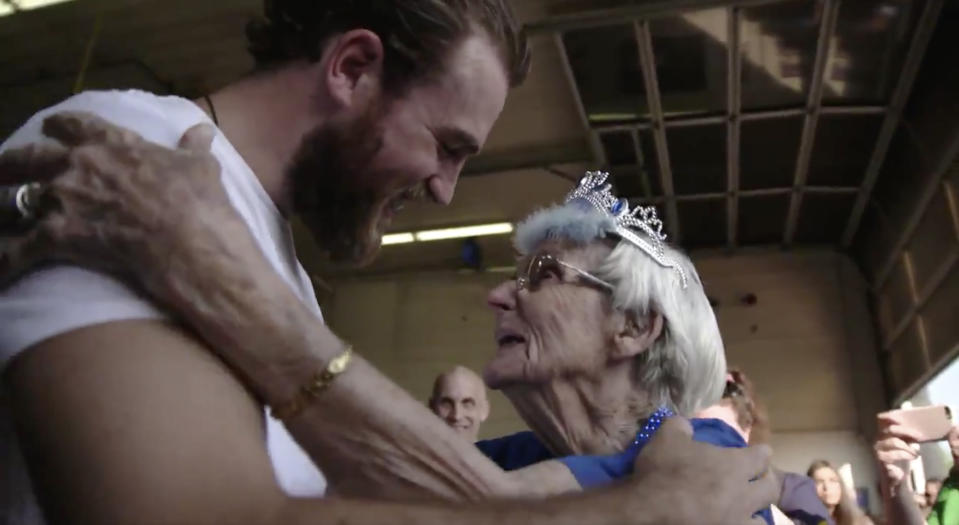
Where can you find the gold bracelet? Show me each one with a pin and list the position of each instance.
(314, 387)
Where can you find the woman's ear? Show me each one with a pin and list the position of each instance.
(636, 334)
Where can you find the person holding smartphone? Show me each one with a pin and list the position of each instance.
(897, 445)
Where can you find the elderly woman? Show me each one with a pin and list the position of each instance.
(605, 332)
(604, 327)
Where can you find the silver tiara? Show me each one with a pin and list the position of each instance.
(594, 190)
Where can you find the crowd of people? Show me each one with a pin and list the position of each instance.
(173, 365)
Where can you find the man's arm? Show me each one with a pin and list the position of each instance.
(134, 422)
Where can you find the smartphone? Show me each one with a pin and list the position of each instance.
(933, 423)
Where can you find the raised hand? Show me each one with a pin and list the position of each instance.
(896, 445)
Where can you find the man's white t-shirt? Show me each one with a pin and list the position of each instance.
(63, 298)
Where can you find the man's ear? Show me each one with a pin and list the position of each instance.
(354, 67)
(636, 334)
(484, 409)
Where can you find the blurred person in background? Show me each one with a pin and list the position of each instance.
(833, 492)
(742, 409)
(933, 486)
(459, 399)
(896, 446)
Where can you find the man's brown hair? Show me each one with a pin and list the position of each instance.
(417, 35)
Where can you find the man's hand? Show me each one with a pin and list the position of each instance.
(114, 201)
(692, 482)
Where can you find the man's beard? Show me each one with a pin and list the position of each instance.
(332, 188)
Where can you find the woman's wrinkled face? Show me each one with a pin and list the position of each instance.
(561, 326)
(827, 486)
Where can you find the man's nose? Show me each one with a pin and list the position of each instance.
(442, 186)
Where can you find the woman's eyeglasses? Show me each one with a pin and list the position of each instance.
(544, 265)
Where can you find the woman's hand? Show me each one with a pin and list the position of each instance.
(161, 220)
(895, 447)
(115, 202)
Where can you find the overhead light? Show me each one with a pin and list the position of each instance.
(479, 230)
(607, 117)
(8, 7)
(397, 238)
(498, 228)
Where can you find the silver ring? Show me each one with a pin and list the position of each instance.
(22, 201)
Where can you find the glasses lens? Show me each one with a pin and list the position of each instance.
(539, 269)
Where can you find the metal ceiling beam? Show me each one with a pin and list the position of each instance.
(617, 15)
(704, 120)
(641, 164)
(813, 106)
(853, 110)
(833, 190)
(647, 63)
(773, 113)
(917, 50)
(599, 156)
(762, 192)
(764, 114)
(733, 107)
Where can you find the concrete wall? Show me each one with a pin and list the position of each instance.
(806, 342)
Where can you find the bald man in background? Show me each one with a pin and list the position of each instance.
(459, 399)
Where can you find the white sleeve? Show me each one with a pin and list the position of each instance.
(58, 299)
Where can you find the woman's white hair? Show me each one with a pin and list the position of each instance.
(685, 369)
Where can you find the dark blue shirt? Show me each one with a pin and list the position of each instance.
(524, 449)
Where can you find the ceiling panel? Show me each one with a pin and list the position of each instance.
(697, 155)
(605, 64)
(768, 150)
(690, 52)
(933, 242)
(640, 180)
(842, 148)
(895, 299)
(703, 222)
(868, 49)
(822, 217)
(619, 148)
(778, 48)
(939, 317)
(906, 359)
(762, 219)
(635, 183)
